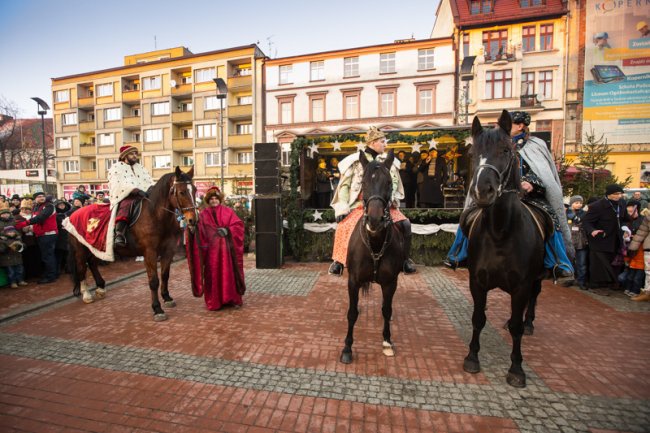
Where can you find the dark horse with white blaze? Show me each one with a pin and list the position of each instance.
(506, 240)
(154, 235)
(376, 249)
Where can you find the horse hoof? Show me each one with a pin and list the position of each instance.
(100, 293)
(161, 317)
(346, 357)
(88, 300)
(170, 304)
(471, 366)
(528, 330)
(387, 349)
(516, 380)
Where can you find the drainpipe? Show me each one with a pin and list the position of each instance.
(566, 78)
(456, 73)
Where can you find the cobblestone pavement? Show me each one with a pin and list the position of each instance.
(272, 365)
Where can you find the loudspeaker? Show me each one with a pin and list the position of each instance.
(267, 167)
(267, 184)
(267, 151)
(268, 233)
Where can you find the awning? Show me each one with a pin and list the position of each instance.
(466, 73)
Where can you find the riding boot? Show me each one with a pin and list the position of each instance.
(120, 234)
(409, 266)
(336, 268)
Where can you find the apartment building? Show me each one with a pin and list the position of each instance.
(405, 84)
(164, 103)
(511, 55)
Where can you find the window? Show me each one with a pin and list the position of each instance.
(212, 103)
(286, 72)
(350, 67)
(546, 84)
(185, 107)
(498, 84)
(387, 102)
(286, 154)
(528, 39)
(93, 165)
(531, 3)
(135, 112)
(204, 75)
(425, 101)
(480, 7)
(351, 105)
(495, 43)
(187, 160)
(186, 79)
(245, 100)
(244, 128)
(317, 71)
(212, 159)
(527, 83)
(544, 125)
(162, 161)
(243, 70)
(69, 119)
(387, 63)
(206, 131)
(244, 157)
(546, 37)
(285, 110)
(425, 59)
(64, 142)
(62, 96)
(106, 139)
(187, 133)
(136, 137)
(104, 89)
(108, 163)
(71, 166)
(151, 135)
(317, 108)
(159, 108)
(151, 83)
(112, 114)
(465, 44)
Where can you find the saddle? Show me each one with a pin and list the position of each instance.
(541, 217)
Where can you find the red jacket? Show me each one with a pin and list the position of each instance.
(44, 219)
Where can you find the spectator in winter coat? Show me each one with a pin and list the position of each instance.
(44, 225)
(61, 249)
(11, 259)
(640, 246)
(574, 216)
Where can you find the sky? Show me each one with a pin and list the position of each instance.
(44, 39)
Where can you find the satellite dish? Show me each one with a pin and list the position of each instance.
(172, 83)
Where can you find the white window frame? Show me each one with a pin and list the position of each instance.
(61, 140)
(245, 100)
(160, 108)
(108, 163)
(71, 166)
(111, 114)
(104, 89)
(425, 101)
(286, 154)
(317, 70)
(426, 59)
(350, 67)
(286, 74)
(386, 63)
(69, 119)
(162, 161)
(213, 159)
(106, 139)
(207, 128)
(151, 83)
(187, 132)
(211, 103)
(545, 86)
(153, 135)
(244, 157)
(187, 160)
(387, 107)
(244, 129)
(204, 75)
(317, 115)
(62, 96)
(286, 111)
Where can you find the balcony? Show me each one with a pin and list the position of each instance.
(242, 140)
(87, 101)
(130, 95)
(528, 101)
(240, 111)
(130, 122)
(182, 89)
(87, 149)
(179, 144)
(182, 116)
(500, 57)
(87, 126)
(240, 83)
(88, 174)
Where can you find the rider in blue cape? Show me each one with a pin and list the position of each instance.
(541, 186)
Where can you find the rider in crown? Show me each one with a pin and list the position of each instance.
(127, 180)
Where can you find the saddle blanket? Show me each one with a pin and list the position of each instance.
(90, 225)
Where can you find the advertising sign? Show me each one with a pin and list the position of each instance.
(617, 70)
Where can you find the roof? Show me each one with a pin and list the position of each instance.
(505, 12)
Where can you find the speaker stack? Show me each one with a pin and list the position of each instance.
(267, 207)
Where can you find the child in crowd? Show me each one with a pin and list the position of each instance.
(574, 216)
(640, 245)
(11, 259)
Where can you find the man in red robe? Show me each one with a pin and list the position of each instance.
(221, 249)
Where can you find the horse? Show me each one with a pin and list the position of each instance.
(376, 250)
(155, 234)
(505, 240)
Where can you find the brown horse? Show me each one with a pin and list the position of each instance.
(155, 234)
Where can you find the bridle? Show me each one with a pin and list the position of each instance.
(363, 232)
(173, 191)
(503, 175)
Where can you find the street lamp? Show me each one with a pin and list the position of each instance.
(222, 92)
(42, 110)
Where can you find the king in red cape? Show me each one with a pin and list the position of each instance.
(217, 263)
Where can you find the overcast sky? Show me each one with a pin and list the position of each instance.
(41, 39)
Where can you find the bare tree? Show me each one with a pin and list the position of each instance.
(8, 115)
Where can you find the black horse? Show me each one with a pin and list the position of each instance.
(506, 240)
(376, 249)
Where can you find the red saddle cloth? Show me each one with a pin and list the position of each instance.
(91, 222)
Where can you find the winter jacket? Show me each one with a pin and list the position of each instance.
(641, 240)
(8, 255)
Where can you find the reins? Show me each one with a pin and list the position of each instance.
(376, 257)
(503, 175)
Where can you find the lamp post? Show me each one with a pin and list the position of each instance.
(42, 110)
(222, 92)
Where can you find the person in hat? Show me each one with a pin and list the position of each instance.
(348, 205)
(11, 259)
(602, 223)
(127, 181)
(574, 215)
(222, 252)
(80, 192)
(14, 204)
(434, 176)
(31, 254)
(101, 197)
(43, 223)
(642, 27)
(61, 250)
(6, 217)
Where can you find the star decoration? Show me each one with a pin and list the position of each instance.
(433, 144)
(336, 146)
(469, 141)
(313, 148)
(361, 145)
(415, 147)
(452, 154)
(318, 216)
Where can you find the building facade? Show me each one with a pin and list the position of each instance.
(392, 86)
(165, 104)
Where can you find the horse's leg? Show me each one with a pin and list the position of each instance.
(83, 256)
(165, 264)
(100, 292)
(529, 328)
(479, 295)
(518, 302)
(151, 263)
(353, 314)
(387, 311)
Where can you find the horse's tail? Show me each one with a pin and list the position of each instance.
(365, 288)
(73, 244)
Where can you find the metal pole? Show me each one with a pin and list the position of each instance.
(221, 141)
(44, 153)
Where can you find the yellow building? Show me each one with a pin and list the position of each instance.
(164, 103)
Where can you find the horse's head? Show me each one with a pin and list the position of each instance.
(182, 196)
(494, 160)
(377, 189)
